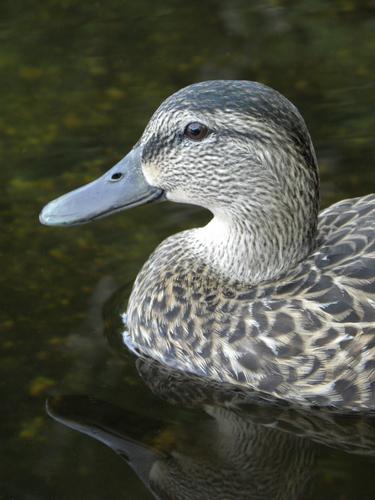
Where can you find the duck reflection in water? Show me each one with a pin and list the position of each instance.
(244, 447)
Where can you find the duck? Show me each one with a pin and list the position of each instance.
(272, 294)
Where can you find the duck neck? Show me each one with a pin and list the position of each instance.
(253, 251)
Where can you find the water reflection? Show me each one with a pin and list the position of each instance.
(233, 446)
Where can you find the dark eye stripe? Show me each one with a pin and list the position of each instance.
(196, 131)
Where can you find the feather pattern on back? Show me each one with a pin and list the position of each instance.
(308, 337)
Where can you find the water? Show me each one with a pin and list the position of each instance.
(79, 82)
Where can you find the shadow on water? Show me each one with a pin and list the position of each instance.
(235, 447)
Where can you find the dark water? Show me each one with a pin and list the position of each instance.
(79, 81)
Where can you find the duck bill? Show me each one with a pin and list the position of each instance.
(123, 186)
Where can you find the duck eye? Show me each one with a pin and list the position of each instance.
(196, 131)
(116, 176)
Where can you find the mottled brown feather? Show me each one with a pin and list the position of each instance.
(308, 337)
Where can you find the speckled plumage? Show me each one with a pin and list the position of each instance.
(350, 433)
(308, 337)
(293, 318)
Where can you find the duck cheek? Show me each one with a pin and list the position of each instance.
(152, 174)
(178, 196)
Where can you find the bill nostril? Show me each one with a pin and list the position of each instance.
(116, 176)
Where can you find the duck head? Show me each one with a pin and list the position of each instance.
(239, 149)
